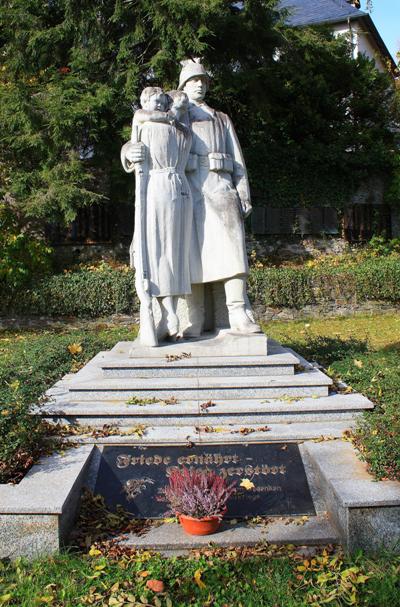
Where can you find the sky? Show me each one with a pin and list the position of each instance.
(386, 16)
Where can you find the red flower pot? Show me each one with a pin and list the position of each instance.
(199, 526)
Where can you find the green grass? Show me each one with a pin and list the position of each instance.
(364, 352)
(226, 578)
(31, 362)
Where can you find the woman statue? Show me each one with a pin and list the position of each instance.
(164, 211)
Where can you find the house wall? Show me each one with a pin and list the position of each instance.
(362, 41)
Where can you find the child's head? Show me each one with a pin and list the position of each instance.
(180, 100)
(153, 98)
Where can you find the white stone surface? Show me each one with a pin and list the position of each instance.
(333, 403)
(192, 194)
(170, 536)
(350, 479)
(221, 343)
(366, 512)
(230, 433)
(37, 514)
(47, 485)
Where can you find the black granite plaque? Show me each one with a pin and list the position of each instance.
(133, 476)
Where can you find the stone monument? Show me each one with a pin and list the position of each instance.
(192, 195)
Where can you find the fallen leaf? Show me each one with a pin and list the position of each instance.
(75, 349)
(358, 363)
(144, 573)
(155, 585)
(198, 580)
(172, 400)
(207, 405)
(247, 484)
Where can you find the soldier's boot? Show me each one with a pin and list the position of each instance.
(196, 312)
(240, 314)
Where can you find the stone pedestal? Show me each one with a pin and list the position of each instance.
(222, 342)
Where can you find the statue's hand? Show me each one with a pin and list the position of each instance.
(136, 152)
(246, 208)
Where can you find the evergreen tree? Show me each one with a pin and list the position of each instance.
(327, 123)
(71, 70)
(313, 122)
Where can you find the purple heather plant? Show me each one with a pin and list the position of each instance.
(197, 493)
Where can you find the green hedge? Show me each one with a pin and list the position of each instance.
(371, 280)
(88, 292)
(91, 292)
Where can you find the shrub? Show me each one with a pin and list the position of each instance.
(376, 279)
(94, 291)
(377, 435)
(23, 256)
(196, 493)
(21, 439)
(281, 287)
(88, 292)
(379, 245)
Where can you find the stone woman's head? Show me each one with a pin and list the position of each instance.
(178, 100)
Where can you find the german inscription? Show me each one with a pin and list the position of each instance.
(133, 476)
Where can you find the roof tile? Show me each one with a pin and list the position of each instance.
(308, 12)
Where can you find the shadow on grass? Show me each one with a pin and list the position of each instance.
(327, 350)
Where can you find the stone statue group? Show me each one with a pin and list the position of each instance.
(191, 197)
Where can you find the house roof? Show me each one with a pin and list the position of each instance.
(309, 12)
(313, 12)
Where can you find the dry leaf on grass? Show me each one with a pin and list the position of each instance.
(197, 578)
(155, 585)
(75, 349)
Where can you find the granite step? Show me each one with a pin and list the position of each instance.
(196, 366)
(229, 433)
(124, 422)
(246, 411)
(309, 383)
(170, 539)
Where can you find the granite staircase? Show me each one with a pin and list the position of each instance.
(189, 392)
(220, 389)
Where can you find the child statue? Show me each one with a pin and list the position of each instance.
(166, 224)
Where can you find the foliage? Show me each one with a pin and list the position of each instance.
(372, 279)
(21, 438)
(364, 353)
(377, 436)
(89, 292)
(324, 126)
(197, 493)
(23, 256)
(381, 246)
(100, 290)
(262, 576)
(72, 69)
(30, 363)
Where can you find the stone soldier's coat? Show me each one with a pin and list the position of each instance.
(216, 174)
